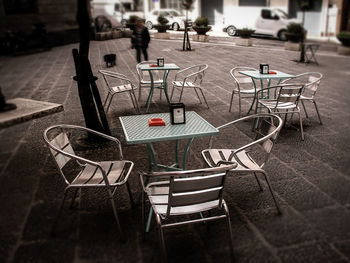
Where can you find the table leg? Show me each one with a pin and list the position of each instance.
(165, 85)
(149, 99)
(254, 99)
(152, 159)
(187, 147)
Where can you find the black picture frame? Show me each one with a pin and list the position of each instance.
(177, 113)
(160, 62)
(264, 68)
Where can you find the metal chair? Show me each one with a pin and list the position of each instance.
(285, 101)
(123, 85)
(312, 81)
(177, 194)
(145, 81)
(253, 156)
(190, 78)
(82, 172)
(243, 86)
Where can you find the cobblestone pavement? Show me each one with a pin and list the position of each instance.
(311, 178)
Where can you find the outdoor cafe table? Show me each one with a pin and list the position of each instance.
(137, 131)
(166, 68)
(256, 75)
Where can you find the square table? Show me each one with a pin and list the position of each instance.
(137, 131)
(256, 75)
(166, 68)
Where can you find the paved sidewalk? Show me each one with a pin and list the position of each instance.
(311, 178)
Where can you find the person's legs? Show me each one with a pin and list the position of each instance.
(138, 54)
(144, 50)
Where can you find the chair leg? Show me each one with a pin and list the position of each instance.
(104, 104)
(116, 214)
(230, 231)
(143, 210)
(231, 101)
(182, 91)
(73, 199)
(172, 93)
(109, 104)
(200, 101)
(204, 97)
(139, 92)
(134, 102)
(318, 113)
(272, 194)
(301, 126)
(161, 237)
(59, 212)
(257, 179)
(302, 103)
(130, 194)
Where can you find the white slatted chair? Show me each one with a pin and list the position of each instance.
(312, 81)
(123, 85)
(181, 193)
(86, 173)
(145, 80)
(190, 78)
(253, 156)
(243, 87)
(285, 101)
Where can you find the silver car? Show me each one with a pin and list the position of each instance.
(176, 20)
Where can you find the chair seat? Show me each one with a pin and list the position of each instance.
(90, 175)
(122, 88)
(302, 97)
(186, 85)
(148, 82)
(271, 104)
(246, 91)
(244, 161)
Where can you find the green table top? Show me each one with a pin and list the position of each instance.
(136, 128)
(166, 67)
(256, 75)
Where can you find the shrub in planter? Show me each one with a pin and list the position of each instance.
(344, 38)
(245, 32)
(201, 25)
(162, 24)
(131, 23)
(295, 33)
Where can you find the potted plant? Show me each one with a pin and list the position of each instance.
(244, 36)
(131, 23)
(201, 26)
(295, 34)
(344, 38)
(161, 27)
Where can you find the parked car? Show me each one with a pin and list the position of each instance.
(270, 22)
(176, 20)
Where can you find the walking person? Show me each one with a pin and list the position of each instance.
(140, 39)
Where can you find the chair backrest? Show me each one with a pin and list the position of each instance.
(118, 78)
(240, 79)
(144, 75)
(57, 140)
(311, 80)
(195, 187)
(195, 74)
(289, 93)
(266, 129)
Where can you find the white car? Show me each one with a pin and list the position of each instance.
(176, 20)
(272, 22)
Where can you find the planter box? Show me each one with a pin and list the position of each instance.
(247, 42)
(292, 46)
(165, 35)
(101, 36)
(343, 50)
(201, 38)
(127, 33)
(117, 34)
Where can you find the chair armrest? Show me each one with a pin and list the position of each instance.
(112, 74)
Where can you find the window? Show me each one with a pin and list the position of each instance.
(20, 7)
(253, 2)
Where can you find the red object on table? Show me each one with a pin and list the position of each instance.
(156, 122)
(153, 65)
(272, 72)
